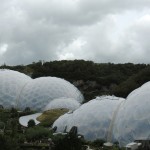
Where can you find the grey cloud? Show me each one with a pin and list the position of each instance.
(112, 5)
(45, 30)
(137, 37)
(131, 46)
(82, 12)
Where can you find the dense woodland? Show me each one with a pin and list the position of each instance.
(93, 79)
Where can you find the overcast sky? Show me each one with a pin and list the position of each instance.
(116, 31)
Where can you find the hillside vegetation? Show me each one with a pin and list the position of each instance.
(48, 117)
(93, 79)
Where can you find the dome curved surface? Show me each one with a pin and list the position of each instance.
(40, 91)
(133, 119)
(11, 84)
(62, 122)
(63, 102)
(93, 119)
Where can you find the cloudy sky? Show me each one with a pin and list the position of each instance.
(116, 31)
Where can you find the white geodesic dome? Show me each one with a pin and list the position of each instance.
(68, 103)
(40, 91)
(133, 119)
(93, 119)
(11, 84)
(62, 122)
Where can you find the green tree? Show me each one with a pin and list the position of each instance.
(31, 123)
(27, 109)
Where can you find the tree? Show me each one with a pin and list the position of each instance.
(37, 133)
(1, 107)
(8, 143)
(31, 123)
(13, 123)
(2, 127)
(27, 109)
(14, 112)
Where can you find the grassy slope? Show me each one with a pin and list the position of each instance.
(48, 117)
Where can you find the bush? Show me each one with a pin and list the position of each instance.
(98, 143)
(37, 133)
(69, 141)
(31, 123)
(8, 143)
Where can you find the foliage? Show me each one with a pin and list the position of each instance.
(8, 143)
(37, 133)
(133, 82)
(68, 142)
(31, 123)
(1, 107)
(14, 112)
(4, 115)
(2, 125)
(98, 143)
(27, 109)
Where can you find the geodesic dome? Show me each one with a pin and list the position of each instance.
(63, 102)
(40, 91)
(133, 119)
(62, 122)
(93, 119)
(11, 84)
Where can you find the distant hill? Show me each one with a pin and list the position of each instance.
(93, 79)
